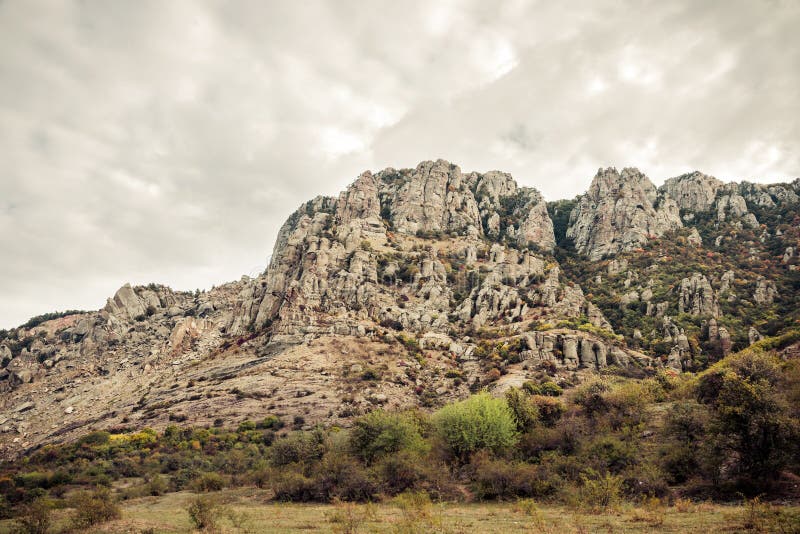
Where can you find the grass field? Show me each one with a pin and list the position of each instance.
(247, 511)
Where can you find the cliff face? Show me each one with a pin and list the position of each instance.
(621, 211)
(419, 275)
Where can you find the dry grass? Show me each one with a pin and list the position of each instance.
(247, 511)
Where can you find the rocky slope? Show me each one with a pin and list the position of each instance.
(414, 286)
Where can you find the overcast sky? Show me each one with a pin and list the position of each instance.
(167, 141)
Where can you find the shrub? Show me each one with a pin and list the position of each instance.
(524, 410)
(271, 422)
(297, 447)
(342, 477)
(399, 472)
(34, 517)
(479, 422)
(93, 508)
(590, 397)
(417, 513)
(493, 479)
(204, 512)
(244, 426)
(751, 422)
(209, 482)
(599, 491)
(609, 453)
(292, 485)
(381, 433)
(347, 518)
(550, 409)
(156, 485)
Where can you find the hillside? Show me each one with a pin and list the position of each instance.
(413, 287)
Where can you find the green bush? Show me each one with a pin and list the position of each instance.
(502, 479)
(524, 410)
(204, 512)
(380, 433)
(209, 482)
(599, 491)
(479, 422)
(550, 410)
(93, 508)
(751, 422)
(297, 447)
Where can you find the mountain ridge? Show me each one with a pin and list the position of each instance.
(445, 273)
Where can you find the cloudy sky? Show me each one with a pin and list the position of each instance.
(167, 140)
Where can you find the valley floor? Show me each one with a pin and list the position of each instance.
(247, 511)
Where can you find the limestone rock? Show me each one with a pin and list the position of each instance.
(435, 198)
(697, 297)
(694, 192)
(621, 211)
(765, 291)
(694, 238)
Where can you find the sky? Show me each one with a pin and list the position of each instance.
(167, 141)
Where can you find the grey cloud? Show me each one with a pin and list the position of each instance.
(167, 141)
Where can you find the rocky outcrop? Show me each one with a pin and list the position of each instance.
(765, 292)
(754, 335)
(694, 192)
(329, 253)
(577, 350)
(697, 297)
(621, 211)
(129, 304)
(731, 205)
(519, 213)
(432, 198)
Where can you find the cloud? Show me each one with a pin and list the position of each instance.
(167, 141)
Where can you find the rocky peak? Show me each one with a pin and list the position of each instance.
(620, 211)
(434, 197)
(359, 201)
(694, 192)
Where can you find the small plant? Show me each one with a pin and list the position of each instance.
(653, 512)
(346, 517)
(600, 491)
(204, 512)
(760, 516)
(156, 486)
(209, 482)
(418, 514)
(528, 507)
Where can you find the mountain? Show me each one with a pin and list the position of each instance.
(414, 287)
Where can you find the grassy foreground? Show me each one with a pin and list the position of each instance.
(248, 511)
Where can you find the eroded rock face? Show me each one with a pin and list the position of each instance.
(331, 256)
(433, 198)
(621, 211)
(697, 297)
(694, 192)
(578, 350)
(129, 304)
(765, 292)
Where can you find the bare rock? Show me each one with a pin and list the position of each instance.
(621, 211)
(697, 297)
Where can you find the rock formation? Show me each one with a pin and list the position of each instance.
(621, 211)
(412, 270)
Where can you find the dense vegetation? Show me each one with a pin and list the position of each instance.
(731, 430)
